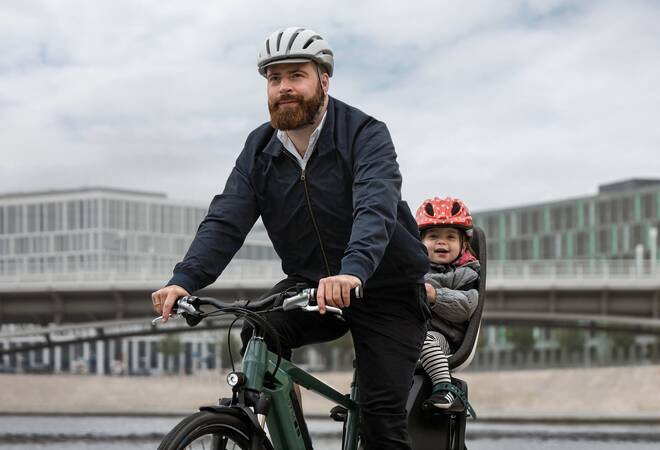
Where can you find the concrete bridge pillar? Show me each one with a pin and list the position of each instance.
(100, 358)
(45, 356)
(135, 356)
(57, 359)
(124, 356)
(111, 354)
(147, 355)
(87, 356)
(5, 358)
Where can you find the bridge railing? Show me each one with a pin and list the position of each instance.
(263, 273)
(573, 270)
(238, 271)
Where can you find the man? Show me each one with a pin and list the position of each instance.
(324, 178)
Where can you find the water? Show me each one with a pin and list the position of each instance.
(119, 433)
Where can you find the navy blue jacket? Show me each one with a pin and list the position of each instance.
(342, 215)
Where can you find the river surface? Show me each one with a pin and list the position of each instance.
(137, 433)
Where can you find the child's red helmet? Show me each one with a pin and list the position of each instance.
(448, 212)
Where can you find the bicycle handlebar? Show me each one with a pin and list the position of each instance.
(190, 304)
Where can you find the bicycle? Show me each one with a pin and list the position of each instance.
(264, 387)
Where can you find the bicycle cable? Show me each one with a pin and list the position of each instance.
(258, 320)
(231, 357)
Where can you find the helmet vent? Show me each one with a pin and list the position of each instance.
(292, 40)
(311, 40)
(455, 208)
(268, 47)
(279, 39)
(429, 209)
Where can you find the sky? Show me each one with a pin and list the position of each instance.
(500, 103)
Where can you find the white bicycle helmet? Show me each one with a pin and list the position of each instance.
(295, 44)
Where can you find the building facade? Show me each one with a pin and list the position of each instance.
(612, 224)
(100, 230)
(92, 234)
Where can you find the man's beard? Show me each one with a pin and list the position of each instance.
(291, 118)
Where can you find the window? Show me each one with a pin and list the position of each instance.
(4, 246)
(92, 214)
(581, 248)
(154, 218)
(604, 241)
(493, 226)
(50, 221)
(32, 219)
(603, 212)
(537, 222)
(14, 219)
(71, 215)
(547, 247)
(525, 223)
(570, 217)
(627, 213)
(513, 250)
(638, 235)
(21, 246)
(556, 216)
(649, 206)
(493, 251)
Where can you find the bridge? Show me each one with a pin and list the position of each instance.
(60, 310)
(594, 288)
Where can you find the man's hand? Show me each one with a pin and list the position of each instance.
(336, 291)
(163, 299)
(431, 294)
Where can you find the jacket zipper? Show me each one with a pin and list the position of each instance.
(303, 178)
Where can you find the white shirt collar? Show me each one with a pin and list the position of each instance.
(291, 148)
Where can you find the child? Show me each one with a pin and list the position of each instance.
(452, 285)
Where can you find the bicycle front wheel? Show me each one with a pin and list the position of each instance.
(209, 430)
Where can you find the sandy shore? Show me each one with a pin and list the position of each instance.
(585, 393)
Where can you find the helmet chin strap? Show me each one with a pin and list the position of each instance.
(462, 235)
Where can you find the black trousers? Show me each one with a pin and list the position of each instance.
(388, 328)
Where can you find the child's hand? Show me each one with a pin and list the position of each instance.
(430, 294)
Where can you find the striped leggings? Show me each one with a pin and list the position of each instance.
(434, 357)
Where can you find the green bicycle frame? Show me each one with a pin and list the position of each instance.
(285, 423)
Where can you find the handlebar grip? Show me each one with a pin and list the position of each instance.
(356, 293)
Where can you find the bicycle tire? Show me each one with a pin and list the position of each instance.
(210, 430)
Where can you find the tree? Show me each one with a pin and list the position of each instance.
(170, 346)
(570, 339)
(622, 339)
(521, 337)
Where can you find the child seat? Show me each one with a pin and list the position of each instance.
(463, 356)
(446, 430)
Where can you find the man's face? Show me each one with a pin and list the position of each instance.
(443, 244)
(295, 94)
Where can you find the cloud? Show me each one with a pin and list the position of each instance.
(501, 103)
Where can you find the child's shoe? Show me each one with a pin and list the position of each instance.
(439, 399)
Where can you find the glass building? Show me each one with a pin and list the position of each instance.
(620, 220)
(101, 230)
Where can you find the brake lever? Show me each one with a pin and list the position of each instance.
(159, 319)
(302, 301)
(185, 304)
(331, 309)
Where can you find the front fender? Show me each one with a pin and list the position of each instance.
(247, 416)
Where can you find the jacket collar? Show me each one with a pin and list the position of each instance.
(326, 140)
